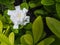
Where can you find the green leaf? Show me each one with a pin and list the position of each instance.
(47, 2)
(58, 10)
(43, 35)
(37, 29)
(57, 0)
(28, 32)
(47, 41)
(39, 12)
(1, 27)
(7, 17)
(32, 5)
(54, 25)
(7, 30)
(22, 40)
(11, 38)
(57, 41)
(16, 31)
(4, 39)
(7, 2)
(11, 7)
(1, 17)
(28, 39)
(24, 5)
(2, 43)
(28, 26)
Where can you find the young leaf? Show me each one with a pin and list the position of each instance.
(1, 27)
(28, 39)
(47, 2)
(46, 41)
(54, 25)
(11, 38)
(2, 43)
(7, 30)
(4, 39)
(22, 40)
(37, 29)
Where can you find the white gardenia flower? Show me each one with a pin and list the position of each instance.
(18, 16)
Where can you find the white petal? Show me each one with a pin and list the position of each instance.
(22, 16)
(25, 10)
(27, 20)
(21, 21)
(18, 16)
(17, 7)
(11, 12)
(15, 26)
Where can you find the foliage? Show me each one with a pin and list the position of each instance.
(43, 30)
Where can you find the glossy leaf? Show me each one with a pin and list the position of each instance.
(32, 5)
(7, 30)
(58, 10)
(4, 39)
(54, 25)
(28, 26)
(47, 2)
(46, 41)
(39, 12)
(24, 5)
(37, 29)
(28, 39)
(22, 40)
(43, 35)
(11, 38)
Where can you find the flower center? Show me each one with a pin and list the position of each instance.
(19, 15)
